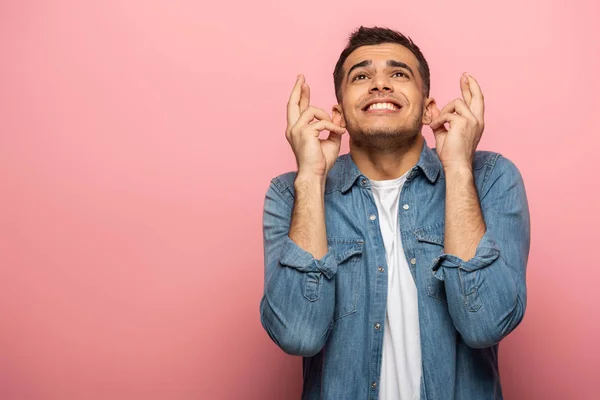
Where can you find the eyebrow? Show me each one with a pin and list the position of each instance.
(390, 63)
(400, 64)
(361, 64)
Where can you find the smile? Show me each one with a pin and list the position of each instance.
(382, 106)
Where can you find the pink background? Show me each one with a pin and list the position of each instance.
(137, 141)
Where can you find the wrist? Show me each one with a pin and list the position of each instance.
(457, 176)
(458, 168)
(311, 180)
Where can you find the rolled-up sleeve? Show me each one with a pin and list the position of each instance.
(487, 252)
(295, 257)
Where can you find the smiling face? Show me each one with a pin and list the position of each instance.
(382, 99)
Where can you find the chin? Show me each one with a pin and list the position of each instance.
(387, 130)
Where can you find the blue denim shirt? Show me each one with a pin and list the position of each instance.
(326, 310)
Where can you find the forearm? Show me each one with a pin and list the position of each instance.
(307, 228)
(464, 223)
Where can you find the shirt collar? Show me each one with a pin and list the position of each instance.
(346, 173)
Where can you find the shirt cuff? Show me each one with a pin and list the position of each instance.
(487, 252)
(295, 257)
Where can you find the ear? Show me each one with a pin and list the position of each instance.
(429, 106)
(337, 116)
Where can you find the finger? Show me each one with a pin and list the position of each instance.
(335, 137)
(459, 107)
(293, 106)
(435, 112)
(438, 130)
(436, 127)
(311, 113)
(465, 89)
(304, 97)
(477, 103)
(442, 119)
(327, 125)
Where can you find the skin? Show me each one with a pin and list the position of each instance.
(386, 144)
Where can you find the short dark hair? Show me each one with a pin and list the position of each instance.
(373, 36)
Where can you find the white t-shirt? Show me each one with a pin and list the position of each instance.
(401, 363)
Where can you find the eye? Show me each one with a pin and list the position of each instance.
(399, 74)
(359, 77)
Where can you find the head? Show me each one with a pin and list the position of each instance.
(382, 88)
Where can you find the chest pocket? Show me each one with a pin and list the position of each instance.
(348, 256)
(431, 246)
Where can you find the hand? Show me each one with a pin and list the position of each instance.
(315, 157)
(456, 145)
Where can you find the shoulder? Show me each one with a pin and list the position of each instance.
(491, 163)
(284, 181)
(495, 170)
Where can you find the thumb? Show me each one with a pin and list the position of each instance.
(436, 125)
(335, 138)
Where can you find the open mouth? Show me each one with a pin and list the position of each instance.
(384, 106)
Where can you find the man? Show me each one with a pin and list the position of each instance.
(394, 270)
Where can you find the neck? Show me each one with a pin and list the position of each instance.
(384, 165)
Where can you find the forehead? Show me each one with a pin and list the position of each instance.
(381, 53)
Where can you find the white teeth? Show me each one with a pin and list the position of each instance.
(382, 106)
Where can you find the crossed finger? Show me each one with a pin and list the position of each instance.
(304, 97)
(293, 106)
(473, 96)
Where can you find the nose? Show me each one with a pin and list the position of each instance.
(381, 83)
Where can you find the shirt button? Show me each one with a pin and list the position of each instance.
(413, 261)
(372, 217)
(374, 385)
(363, 182)
(377, 326)
(380, 269)
(406, 207)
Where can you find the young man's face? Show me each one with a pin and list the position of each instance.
(382, 94)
